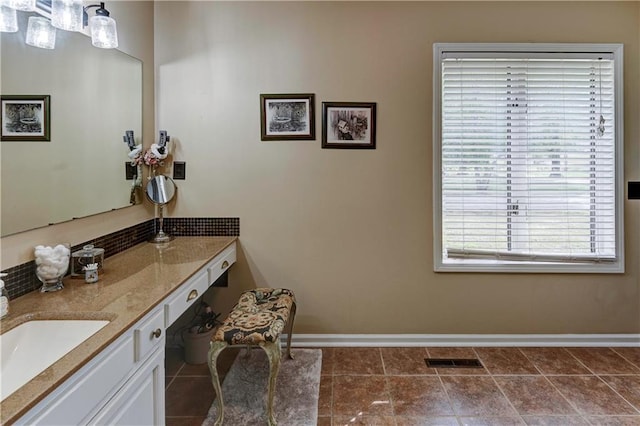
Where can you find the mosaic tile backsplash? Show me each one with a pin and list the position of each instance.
(22, 279)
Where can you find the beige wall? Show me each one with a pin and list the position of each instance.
(135, 31)
(351, 231)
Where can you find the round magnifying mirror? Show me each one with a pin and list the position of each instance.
(161, 189)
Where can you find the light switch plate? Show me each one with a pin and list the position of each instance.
(179, 170)
(633, 190)
(129, 171)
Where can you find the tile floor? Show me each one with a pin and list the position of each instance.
(189, 392)
(393, 386)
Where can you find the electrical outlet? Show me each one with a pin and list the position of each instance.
(179, 170)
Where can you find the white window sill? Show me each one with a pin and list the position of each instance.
(494, 266)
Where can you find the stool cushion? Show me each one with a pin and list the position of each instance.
(259, 316)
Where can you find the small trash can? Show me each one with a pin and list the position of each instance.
(196, 347)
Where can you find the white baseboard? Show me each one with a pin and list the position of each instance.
(407, 340)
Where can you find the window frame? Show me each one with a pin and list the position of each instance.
(475, 265)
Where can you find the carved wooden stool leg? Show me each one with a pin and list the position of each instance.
(273, 353)
(214, 351)
(292, 316)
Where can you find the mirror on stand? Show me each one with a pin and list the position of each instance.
(160, 191)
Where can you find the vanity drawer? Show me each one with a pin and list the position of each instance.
(148, 334)
(185, 298)
(197, 285)
(223, 262)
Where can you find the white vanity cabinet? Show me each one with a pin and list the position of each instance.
(124, 384)
(141, 400)
(93, 390)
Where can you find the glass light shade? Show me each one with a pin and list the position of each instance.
(40, 33)
(67, 14)
(103, 32)
(8, 20)
(26, 5)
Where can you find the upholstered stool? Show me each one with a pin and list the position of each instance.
(257, 319)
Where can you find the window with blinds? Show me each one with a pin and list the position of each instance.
(528, 157)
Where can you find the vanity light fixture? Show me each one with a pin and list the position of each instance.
(40, 33)
(103, 28)
(67, 14)
(8, 19)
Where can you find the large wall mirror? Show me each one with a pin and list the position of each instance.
(95, 96)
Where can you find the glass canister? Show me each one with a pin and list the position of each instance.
(87, 255)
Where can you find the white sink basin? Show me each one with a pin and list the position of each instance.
(31, 347)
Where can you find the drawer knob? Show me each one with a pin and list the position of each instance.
(192, 295)
(157, 333)
(225, 264)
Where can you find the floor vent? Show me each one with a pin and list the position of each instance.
(453, 363)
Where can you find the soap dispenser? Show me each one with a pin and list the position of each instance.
(4, 298)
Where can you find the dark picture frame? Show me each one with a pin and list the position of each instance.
(349, 125)
(25, 118)
(287, 117)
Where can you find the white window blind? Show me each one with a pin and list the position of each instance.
(528, 157)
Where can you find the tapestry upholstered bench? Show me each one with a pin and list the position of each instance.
(256, 320)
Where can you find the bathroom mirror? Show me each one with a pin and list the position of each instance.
(95, 96)
(160, 190)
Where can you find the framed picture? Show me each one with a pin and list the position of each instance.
(287, 117)
(25, 118)
(349, 125)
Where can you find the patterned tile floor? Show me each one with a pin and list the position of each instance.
(394, 386)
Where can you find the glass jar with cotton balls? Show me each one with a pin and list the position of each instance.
(4, 297)
(52, 264)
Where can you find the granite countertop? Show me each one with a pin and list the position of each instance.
(132, 284)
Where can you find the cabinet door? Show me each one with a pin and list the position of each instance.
(141, 400)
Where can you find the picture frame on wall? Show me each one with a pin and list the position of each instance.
(349, 125)
(287, 117)
(25, 118)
